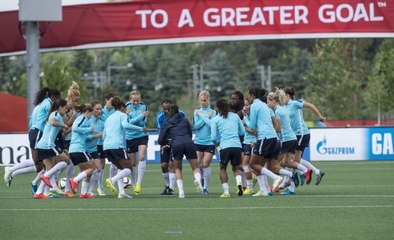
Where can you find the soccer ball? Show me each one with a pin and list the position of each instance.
(62, 183)
(126, 182)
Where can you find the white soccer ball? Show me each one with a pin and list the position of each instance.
(62, 183)
(126, 182)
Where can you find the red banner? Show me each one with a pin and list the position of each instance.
(172, 21)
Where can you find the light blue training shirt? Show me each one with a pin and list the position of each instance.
(297, 122)
(287, 133)
(114, 130)
(81, 130)
(50, 132)
(138, 119)
(230, 129)
(202, 125)
(260, 119)
(39, 114)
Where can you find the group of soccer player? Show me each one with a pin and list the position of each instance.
(262, 136)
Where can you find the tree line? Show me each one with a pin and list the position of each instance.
(345, 78)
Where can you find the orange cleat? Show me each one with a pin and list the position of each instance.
(40, 196)
(46, 180)
(87, 195)
(74, 185)
(69, 194)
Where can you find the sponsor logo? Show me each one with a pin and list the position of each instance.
(323, 149)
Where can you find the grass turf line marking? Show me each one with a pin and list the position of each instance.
(194, 209)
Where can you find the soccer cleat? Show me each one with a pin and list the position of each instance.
(277, 182)
(295, 179)
(308, 176)
(124, 195)
(302, 179)
(198, 186)
(225, 195)
(46, 180)
(74, 185)
(87, 195)
(101, 192)
(137, 189)
(287, 192)
(51, 195)
(33, 188)
(319, 177)
(170, 191)
(181, 195)
(7, 174)
(260, 194)
(9, 181)
(240, 191)
(248, 191)
(111, 186)
(92, 194)
(69, 194)
(205, 192)
(40, 196)
(57, 191)
(165, 191)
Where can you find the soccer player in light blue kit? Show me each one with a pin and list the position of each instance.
(114, 145)
(298, 125)
(54, 159)
(204, 145)
(107, 110)
(137, 140)
(94, 146)
(267, 146)
(42, 102)
(82, 130)
(230, 128)
(288, 142)
(250, 137)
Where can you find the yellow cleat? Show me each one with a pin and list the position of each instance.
(225, 195)
(111, 186)
(248, 191)
(137, 189)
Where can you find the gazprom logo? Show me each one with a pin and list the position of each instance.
(323, 149)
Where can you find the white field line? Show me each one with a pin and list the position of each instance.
(195, 208)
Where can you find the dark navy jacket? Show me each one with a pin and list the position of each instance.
(178, 128)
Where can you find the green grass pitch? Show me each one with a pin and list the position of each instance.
(355, 200)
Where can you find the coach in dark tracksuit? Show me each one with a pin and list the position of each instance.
(180, 130)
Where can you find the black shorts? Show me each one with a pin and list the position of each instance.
(116, 154)
(79, 157)
(247, 149)
(48, 153)
(185, 149)
(94, 155)
(166, 155)
(34, 136)
(288, 146)
(132, 145)
(303, 142)
(205, 148)
(231, 154)
(100, 152)
(267, 148)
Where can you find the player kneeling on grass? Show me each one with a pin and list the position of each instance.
(230, 129)
(81, 130)
(180, 130)
(53, 158)
(114, 147)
